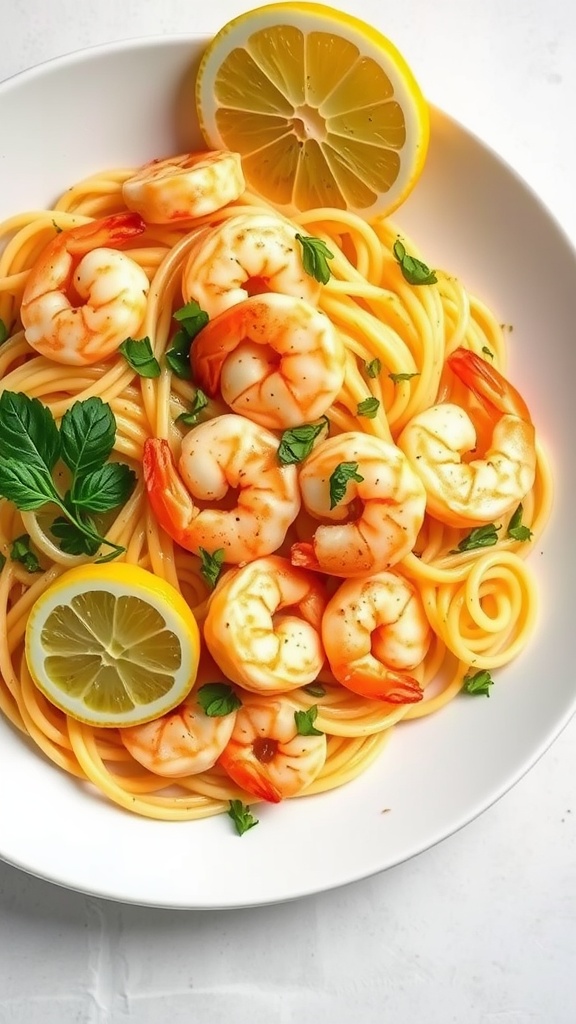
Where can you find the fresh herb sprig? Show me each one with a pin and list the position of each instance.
(413, 270)
(211, 565)
(31, 445)
(199, 403)
(481, 537)
(218, 699)
(478, 683)
(241, 816)
(315, 256)
(191, 319)
(305, 722)
(296, 443)
(338, 481)
(21, 551)
(368, 407)
(140, 357)
(516, 528)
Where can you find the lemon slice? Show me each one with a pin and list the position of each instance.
(112, 645)
(322, 108)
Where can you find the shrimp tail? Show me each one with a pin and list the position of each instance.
(303, 555)
(487, 384)
(109, 232)
(392, 687)
(249, 777)
(170, 501)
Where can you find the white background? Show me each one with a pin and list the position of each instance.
(479, 930)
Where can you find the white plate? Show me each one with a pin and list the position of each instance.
(122, 105)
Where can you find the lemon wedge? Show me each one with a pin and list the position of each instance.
(322, 108)
(112, 645)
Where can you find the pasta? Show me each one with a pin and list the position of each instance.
(481, 602)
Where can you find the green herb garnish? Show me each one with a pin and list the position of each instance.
(397, 377)
(140, 357)
(190, 418)
(31, 444)
(192, 319)
(20, 551)
(241, 816)
(4, 335)
(373, 368)
(515, 528)
(344, 472)
(211, 565)
(478, 684)
(369, 408)
(305, 722)
(413, 270)
(297, 442)
(315, 256)
(218, 699)
(481, 537)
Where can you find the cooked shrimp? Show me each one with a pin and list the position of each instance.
(186, 186)
(263, 626)
(246, 255)
(79, 264)
(182, 742)
(266, 754)
(470, 493)
(227, 452)
(370, 502)
(375, 631)
(276, 359)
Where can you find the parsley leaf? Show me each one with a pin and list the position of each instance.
(413, 270)
(4, 333)
(369, 408)
(373, 368)
(140, 357)
(192, 318)
(516, 530)
(241, 816)
(28, 432)
(104, 488)
(481, 537)
(315, 256)
(218, 699)
(178, 356)
(30, 445)
(72, 540)
(191, 418)
(28, 487)
(344, 472)
(20, 551)
(479, 683)
(297, 442)
(87, 433)
(211, 565)
(397, 377)
(305, 722)
(315, 690)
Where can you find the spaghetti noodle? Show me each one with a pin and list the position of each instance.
(481, 603)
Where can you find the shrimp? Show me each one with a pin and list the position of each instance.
(185, 741)
(263, 626)
(266, 754)
(375, 631)
(183, 187)
(276, 358)
(226, 452)
(246, 255)
(79, 264)
(470, 493)
(370, 502)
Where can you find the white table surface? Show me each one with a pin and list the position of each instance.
(480, 929)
